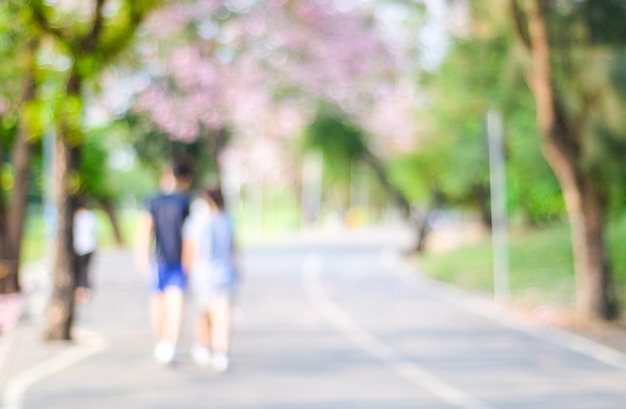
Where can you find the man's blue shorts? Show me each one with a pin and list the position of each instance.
(166, 275)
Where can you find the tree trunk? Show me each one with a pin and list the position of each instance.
(22, 153)
(421, 227)
(585, 201)
(397, 196)
(61, 307)
(482, 195)
(109, 209)
(586, 207)
(12, 228)
(593, 297)
(12, 218)
(8, 280)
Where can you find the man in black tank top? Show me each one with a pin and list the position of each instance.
(159, 255)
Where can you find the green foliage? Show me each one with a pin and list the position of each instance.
(69, 117)
(340, 142)
(588, 43)
(532, 188)
(481, 72)
(14, 37)
(93, 169)
(404, 171)
(618, 73)
(335, 136)
(419, 174)
(109, 169)
(605, 21)
(7, 178)
(155, 149)
(468, 82)
(8, 129)
(33, 118)
(119, 30)
(148, 141)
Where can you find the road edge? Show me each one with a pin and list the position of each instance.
(394, 264)
(87, 343)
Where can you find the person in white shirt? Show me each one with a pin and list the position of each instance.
(85, 244)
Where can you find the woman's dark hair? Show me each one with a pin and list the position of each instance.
(215, 194)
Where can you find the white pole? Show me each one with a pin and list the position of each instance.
(498, 207)
(311, 188)
(49, 207)
(354, 199)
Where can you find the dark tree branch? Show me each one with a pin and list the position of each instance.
(2, 199)
(45, 25)
(374, 163)
(520, 24)
(115, 45)
(90, 42)
(564, 136)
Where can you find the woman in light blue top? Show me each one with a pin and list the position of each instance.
(209, 258)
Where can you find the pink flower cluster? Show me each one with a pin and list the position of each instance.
(259, 68)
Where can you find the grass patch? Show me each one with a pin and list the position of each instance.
(35, 242)
(280, 215)
(541, 264)
(277, 214)
(37, 238)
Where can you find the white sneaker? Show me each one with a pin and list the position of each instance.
(220, 362)
(164, 352)
(201, 355)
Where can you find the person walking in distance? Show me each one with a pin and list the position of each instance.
(85, 244)
(160, 228)
(209, 256)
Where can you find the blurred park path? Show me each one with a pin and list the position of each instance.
(323, 320)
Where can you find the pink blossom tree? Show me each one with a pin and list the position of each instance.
(260, 68)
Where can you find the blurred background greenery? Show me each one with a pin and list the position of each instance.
(327, 115)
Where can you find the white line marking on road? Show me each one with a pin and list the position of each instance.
(89, 343)
(488, 309)
(311, 269)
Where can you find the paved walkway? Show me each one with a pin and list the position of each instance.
(117, 283)
(322, 322)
